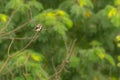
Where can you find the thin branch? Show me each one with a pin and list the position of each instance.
(12, 15)
(54, 68)
(16, 29)
(6, 61)
(25, 67)
(18, 53)
(10, 47)
(67, 49)
(71, 50)
(10, 71)
(4, 64)
(17, 38)
(64, 62)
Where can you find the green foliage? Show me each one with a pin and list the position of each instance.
(74, 61)
(79, 8)
(29, 64)
(24, 6)
(56, 19)
(94, 23)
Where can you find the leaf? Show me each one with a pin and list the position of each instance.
(118, 57)
(112, 12)
(87, 3)
(35, 4)
(117, 38)
(115, 20)
(74, 61)
(118, 64)
(60, 28)
(76, 10)
(50, 20)
(37, 57)
(95, 43)
(117, 2)
(67, 22)
(3, 17)
(15, 4)
(110, 59)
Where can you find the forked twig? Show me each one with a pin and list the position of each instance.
(6, 61)
(18, 53)
(61, 67)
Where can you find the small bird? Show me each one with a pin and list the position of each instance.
(38, 27)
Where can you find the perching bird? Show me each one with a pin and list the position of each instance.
(38, 28)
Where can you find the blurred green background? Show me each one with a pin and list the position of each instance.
(94, 24)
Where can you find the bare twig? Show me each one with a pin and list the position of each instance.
(67, 48)
(64, 62)
(18, 53)
(25, 68)
(10, 47)
(4, 64)
(10, 71)
(17, 38)
(56, 77)
(16, 29)
(6, 61)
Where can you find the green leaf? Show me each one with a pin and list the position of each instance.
(87, 3)
(74, 61)
(95, 43)
(15, 4)
(76, 10)
(35, 4)
(110, 59)
(117, 2)
(60, 28)
(116, 20)
(50, 20)
(67, 22)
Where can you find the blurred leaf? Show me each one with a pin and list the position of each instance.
(77, 11)
(60, 28)
(115, 20)
(35, 4)
(3, 17)
(118, 57)
(117, 2)
(67, 22)
(87, 3)
(118, 64)
(112, 12)
(110, 59)
(74, 61)
(95, 43)
(22, 6)
(15, 4)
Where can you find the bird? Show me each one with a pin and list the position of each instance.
(38, 27)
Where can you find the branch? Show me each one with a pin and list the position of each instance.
(12, 15)
(61, 67)
(10, 47)
(17, 38)
(16, 29)
(6, 61)
(17, 53)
